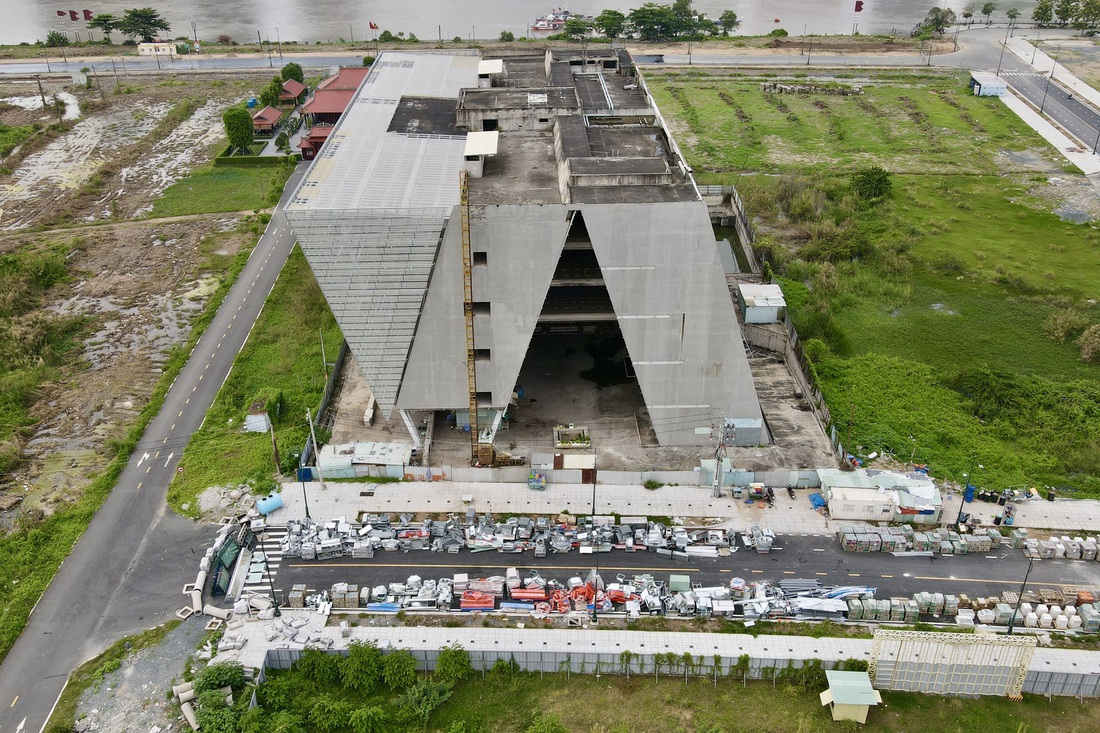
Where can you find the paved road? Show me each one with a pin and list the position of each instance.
(128, 570)
(796, 557)
(1056, 102)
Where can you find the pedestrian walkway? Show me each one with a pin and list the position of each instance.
(263, 569)
(697, 503)
(1044, 65)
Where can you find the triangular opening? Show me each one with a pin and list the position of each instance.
(577, 369)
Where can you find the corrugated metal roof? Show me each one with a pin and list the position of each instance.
(851, 688)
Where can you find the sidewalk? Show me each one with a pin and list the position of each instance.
(786, 517)
(1044, 64)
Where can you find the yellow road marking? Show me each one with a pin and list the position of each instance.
(757, 571)
(14, 701)
(886, 576)
(821, 573)
(663, 569)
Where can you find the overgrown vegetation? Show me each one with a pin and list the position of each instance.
(509, 700)
(951, 307)
(12, 136)
(282, 356)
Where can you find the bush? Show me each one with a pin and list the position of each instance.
(1089, 343)
(546, 723)
(507, 36)
(318, 666)
(453, 664)
(778, 33)
(214, 714)
(421, 700)
(361, 669)
(217, 676)
(872, 183)
(368, 60)
(399, 669)
(1065, 324)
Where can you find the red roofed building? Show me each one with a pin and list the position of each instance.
(293, 93)
(334, 94)
(311, 144)
(264, 121)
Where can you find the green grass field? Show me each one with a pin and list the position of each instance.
(933, 306)
(282, 355)
(215, 189)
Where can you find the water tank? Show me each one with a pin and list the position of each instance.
(251, 102)
(969, 494)
(269, 503)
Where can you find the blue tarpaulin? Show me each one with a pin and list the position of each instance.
(817, 500)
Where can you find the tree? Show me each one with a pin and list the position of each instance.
(1012, 14)
(258, 721)
(729, 21)
(292, 71)
(1089, 14)
(143, 23)
(507, 36)
(361, 669)
(368, 60)
(222, 674)
(453, 664)
(318, 666)
(871, 183)
(1066, 11)
(987, 11)
(938, 19)
(370, 720)
(399, 669)
(105, 22)
(421, 700)
(685, 17)
(214, 714)
(968, 13)
(576, 29)
(329, 714)
(611, 23)
(653, 22)
(269, 95)
(1043, 13)
(56, 39)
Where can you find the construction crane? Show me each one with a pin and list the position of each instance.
(468, 311)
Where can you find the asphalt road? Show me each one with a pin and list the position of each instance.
(127, 572)
(796, 557)
(1078, 118)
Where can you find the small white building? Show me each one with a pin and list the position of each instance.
(356, 460)
(850, 695)
(985, 84)
(880, 496)
(761, 303)
(157, 48)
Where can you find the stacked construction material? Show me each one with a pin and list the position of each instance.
(1018, 538)
(297, 596)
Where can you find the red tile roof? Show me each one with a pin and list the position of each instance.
(319, 132)
(349, 77)
(267, 115)
(329, 101)
(294, 86)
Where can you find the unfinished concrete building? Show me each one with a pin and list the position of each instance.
(583, 219)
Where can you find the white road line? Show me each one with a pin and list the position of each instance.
(169, 460)
(143, 457)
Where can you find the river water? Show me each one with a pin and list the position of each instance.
(333, 20)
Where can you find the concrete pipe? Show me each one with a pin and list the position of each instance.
(200, 579)
(196, 600)
(178, 690)
(204, 564)
(222, 613)
(187, 696)
(188, 711)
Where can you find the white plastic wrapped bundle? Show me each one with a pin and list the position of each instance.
(1046, 621)
(1025, 608)
(1031, 620)
(1075, 622)
(1070, 610)
(1062, 622)
(986, 616)
(1056, 611)
(1042, 608)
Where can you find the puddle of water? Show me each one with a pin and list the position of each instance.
(1075, 215)
(72, 106)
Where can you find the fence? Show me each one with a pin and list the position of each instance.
(326, 402)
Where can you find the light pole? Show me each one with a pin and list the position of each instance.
(271, 586)
(303, 474)
(1003, 47)
(1097, 143)
(1046, 88)
(1016, 610)
(596, 552)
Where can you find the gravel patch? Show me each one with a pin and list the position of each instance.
(135, 697)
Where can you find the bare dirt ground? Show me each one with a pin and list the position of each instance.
(139, 284)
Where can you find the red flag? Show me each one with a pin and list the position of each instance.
(73, 16)
(859, 6)
(373, 26)
(88, 15)
(61, 13)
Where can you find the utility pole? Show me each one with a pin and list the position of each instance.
(1012, 621)
(324, 359)
(40, 92)
(316, 449)
(275, 448)
(724, 432)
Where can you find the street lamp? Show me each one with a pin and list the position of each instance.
(1047, 87)
(1012, 621)
(596, 552)
(1003, 47)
